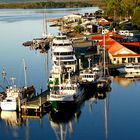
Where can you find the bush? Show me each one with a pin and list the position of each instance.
(78, 29)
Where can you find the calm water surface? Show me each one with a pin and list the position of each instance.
(115, 116)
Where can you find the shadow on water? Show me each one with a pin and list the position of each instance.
(64, 116)
(62, 122)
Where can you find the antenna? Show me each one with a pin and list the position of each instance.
(4, 74)
(13, 81)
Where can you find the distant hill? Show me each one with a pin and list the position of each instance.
(26, 4)
(20, 1)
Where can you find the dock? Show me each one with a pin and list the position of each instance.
(39, 104)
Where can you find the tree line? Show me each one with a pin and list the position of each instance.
(50, 4)
(119, 9)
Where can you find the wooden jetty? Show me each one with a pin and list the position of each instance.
(39, 104)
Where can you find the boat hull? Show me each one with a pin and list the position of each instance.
(8, 106)
(130, 68)
(64, 105)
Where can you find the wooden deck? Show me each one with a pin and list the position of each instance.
(37, 104)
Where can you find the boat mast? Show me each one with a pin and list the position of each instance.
(59, 73)
(104, 53)
(44, 24)
(25, 74)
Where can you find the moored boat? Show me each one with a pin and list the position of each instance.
(130, 68)
(63, 52)
(64, 94)
(13, 95)
(88, 77)
(104, 81)
(9, 104)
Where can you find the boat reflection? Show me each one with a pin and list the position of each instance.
(62, 121)
(132, 75)
(106, 116)
(105, 97)
(11, 118)
(92, 96)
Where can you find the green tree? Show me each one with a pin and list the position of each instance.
(115, 8)
(135, 18)
(78, 29)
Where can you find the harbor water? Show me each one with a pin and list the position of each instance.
(114, 115)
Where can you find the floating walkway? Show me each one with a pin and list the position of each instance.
(39, 104)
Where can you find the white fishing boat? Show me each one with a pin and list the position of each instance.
(63, 53)
(64, 94)
(90, 75)
(9, 104)
(88, 79)
(130, 68)
(14, 94)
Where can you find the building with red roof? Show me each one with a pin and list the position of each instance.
(117, 53)
(103, 22)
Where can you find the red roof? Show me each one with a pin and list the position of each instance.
(118, 37)
(112, 46)
(108, 41)
(135, 44)
(103, 21)
(98, 37)
(115, 47)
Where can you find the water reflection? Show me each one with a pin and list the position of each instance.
(10, 118)
(12, 122)
(62, 122)
(105, 97)
(101, 98)
(126, 80)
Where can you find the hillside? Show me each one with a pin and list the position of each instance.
(21, 1)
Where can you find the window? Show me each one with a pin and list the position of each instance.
(123, 60)
(130, 60)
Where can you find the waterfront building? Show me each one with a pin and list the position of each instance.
(117, 53)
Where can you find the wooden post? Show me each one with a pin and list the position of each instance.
(40, 104)
(40, 101)
(19, 104)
